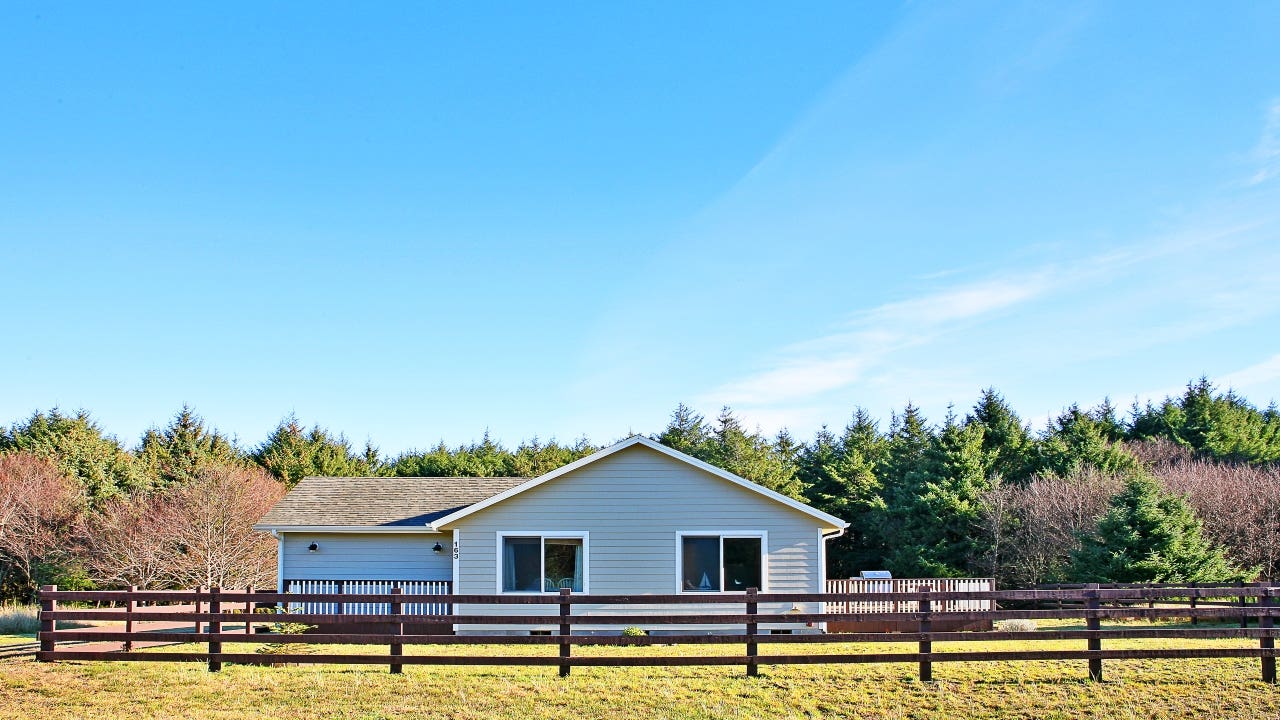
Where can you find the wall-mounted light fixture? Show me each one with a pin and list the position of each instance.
(437, 548)
(313, 547)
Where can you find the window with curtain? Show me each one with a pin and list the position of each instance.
(716, 563)
(542, 564)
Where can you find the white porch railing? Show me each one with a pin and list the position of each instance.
(355, 588)
(908, 585)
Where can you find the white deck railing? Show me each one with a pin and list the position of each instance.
(908, 585)
(355, 588)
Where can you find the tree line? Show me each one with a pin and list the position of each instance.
(1187, 489)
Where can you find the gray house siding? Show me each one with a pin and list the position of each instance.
(632, 504)
(360, 556)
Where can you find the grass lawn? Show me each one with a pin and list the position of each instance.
(1134, 689)
(7, 640)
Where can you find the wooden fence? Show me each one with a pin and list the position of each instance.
(740, 623)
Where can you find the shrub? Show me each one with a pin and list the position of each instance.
(634, 631)
(19, 619)
(286, 628)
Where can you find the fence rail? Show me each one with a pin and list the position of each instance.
(740, 624)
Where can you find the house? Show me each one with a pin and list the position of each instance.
(634, 518)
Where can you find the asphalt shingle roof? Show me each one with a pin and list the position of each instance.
(380, 501)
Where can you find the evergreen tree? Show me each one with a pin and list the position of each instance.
(687, 432)
(534, 458)
(748, 455)
(1077, 439)
(1223, 426)
(1149, 536)
(439, 461)
(1006, 441)
(181, 450)
(941, 505)
(292, 453)
(81, 450)
(839, 475)
(890, 517)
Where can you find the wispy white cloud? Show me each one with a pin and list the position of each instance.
(1267, 371)
(1266, 154)
(910, 346)
(842, 358)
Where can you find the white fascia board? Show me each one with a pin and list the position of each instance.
(421, 530)
(830, 520)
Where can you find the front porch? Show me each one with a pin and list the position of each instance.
(356, 588)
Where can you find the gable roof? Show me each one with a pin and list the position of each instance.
(392, 504)
(829, 520)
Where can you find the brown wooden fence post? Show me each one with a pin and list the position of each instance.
(1266, 622)
(926, 626)
(198, 606)
(47, 625)
(1094, 625)
(1194, 620)
(215, 627)
(753, 668)
(564, 630)
(248, 611)
(397, 649)
(1244, 618)
(129, 605)
(341, 604)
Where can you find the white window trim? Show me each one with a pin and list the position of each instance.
(544, 535)
(722, 534)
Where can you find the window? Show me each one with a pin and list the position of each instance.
(542, 563)
(721, 563)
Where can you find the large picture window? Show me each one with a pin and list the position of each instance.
(721, 563)
(542, 563)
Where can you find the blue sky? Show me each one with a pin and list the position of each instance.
(417, 222)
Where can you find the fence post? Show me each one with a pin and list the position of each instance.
(340, 604)
(397, 649)
(1244, 619)
(215, 627)
(564, 631)
(129, 605)
(753, 627)
(199, 604)
(926, 626)
(47, 625)
(1092, 624)
(1194, 620)
(248, 611)
(1266, 622)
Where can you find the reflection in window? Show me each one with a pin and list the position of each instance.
(718, 564)
(542, 564)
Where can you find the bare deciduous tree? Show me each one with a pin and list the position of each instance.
(212, 518)
(129, 543)
(197, 533)
(38, 506)
(1238, 504)
(1041, 522)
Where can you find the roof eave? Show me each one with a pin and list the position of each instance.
(401, 529)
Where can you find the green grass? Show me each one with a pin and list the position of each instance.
(7, 640)
(1134, 689)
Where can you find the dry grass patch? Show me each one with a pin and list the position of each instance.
(1135, 689)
